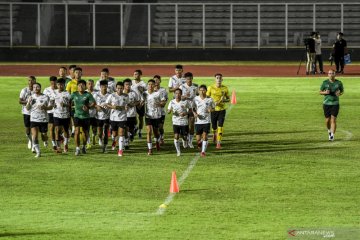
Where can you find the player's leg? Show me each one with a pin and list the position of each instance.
(334, 113)
(114, 133)
(191, 130)
(198, 136)
(86, 130)
(141, 114)
(214, 122)
(105, 135)
(155, 126)
(149, 130)
(205, 132)
(28, 130)
(176, 130)
(121, 132)
(34, 137)
(52, 131)
(65, 122)
(57, 131)
(220, 130)
(327, 114)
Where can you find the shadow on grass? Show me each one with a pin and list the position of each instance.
(19, 234)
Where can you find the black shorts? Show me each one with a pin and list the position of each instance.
(131, 122)
(115, 125)
(331, 110)
(26, 120)
(84, 123)
(218, 118)
(65, 122)
(152, 122)
(101, 123)
(182, 130)
(202, 128)
(162, 119)
(51, 118)
(141, 111)
(93, 122)
(43, 126)
(72, 113)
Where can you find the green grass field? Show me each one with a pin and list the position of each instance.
(276, 172)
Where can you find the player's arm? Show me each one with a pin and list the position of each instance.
(340, 91)
(28, 103)
(323, 90)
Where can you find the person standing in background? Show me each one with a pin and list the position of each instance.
(318, 54)
(339, 50)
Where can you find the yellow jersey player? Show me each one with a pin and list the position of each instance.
(220, 94)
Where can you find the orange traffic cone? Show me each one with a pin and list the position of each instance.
(233, 97)
(174, 188)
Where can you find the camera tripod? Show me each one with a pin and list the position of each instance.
(302, 59)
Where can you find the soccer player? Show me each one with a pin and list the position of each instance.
(50, 92)
(102, 114)
(62, 74)
(23, 99)
(139, 87)
(82, 102)
(62, 108)
(92, 113)
(332, 89)
(204, 106)
(153, 102)
(118, 102)
(180, 109)
(104, 75)
(176, 80)
(38, 104)
(164, 93)
(220, 94)
(71, 73)
(72, 87)
(134, 100)
(189, 92)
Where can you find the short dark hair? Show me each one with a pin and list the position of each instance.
(53, 79)
(32, 78)
(60, 81)
(63, 68)
(178, 90)
(157, 76)
(203, 86)
(127, 80)
(90, 80)
(78, 69)
(81, 82)
(103, 82)
(105, 70)
(188, 74)
(119, 84)
(179, 66)
(151, 80)
(340, 33)
(138, 71)
(218, 74)
(72, 66)
(37, 84)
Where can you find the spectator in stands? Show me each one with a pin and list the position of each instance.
(318, 55)
(310, 53)
(339, 50)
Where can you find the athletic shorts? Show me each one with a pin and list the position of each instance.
(26, 120)
(141, 111)
(152, 122)
(93, 122)
(65, 122)
(51, 118)
(115, 125)
(43, 126)
(131, 122)
(84, 123)
(182, 130)
(331, 110)
(101, 123)
(162, 119)
(218, 118)
(202, 128)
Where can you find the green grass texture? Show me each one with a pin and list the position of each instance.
(277, 171)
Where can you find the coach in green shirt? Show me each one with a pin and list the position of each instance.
(82, 102)
(331, 89)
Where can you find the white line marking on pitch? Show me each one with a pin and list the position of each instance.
(161, 210)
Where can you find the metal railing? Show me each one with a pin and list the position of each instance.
(175, 25)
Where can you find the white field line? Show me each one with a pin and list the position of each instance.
(161, 210)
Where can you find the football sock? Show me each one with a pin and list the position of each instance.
(149, 145)
(204, 146)
(177, 145)
(220, 131)
(121, 142)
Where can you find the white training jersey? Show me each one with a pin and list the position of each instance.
(100, 99)
(116, 100)
(24, 95)
(139, 87)
(164, 97)
(177, 109)
(133, 97)
(36, 113)
(92, 111)
(51, 94)
(152, 108)
(175, 81)
(64, 99)
(189, 92)
(111, 85)
(202, 107)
